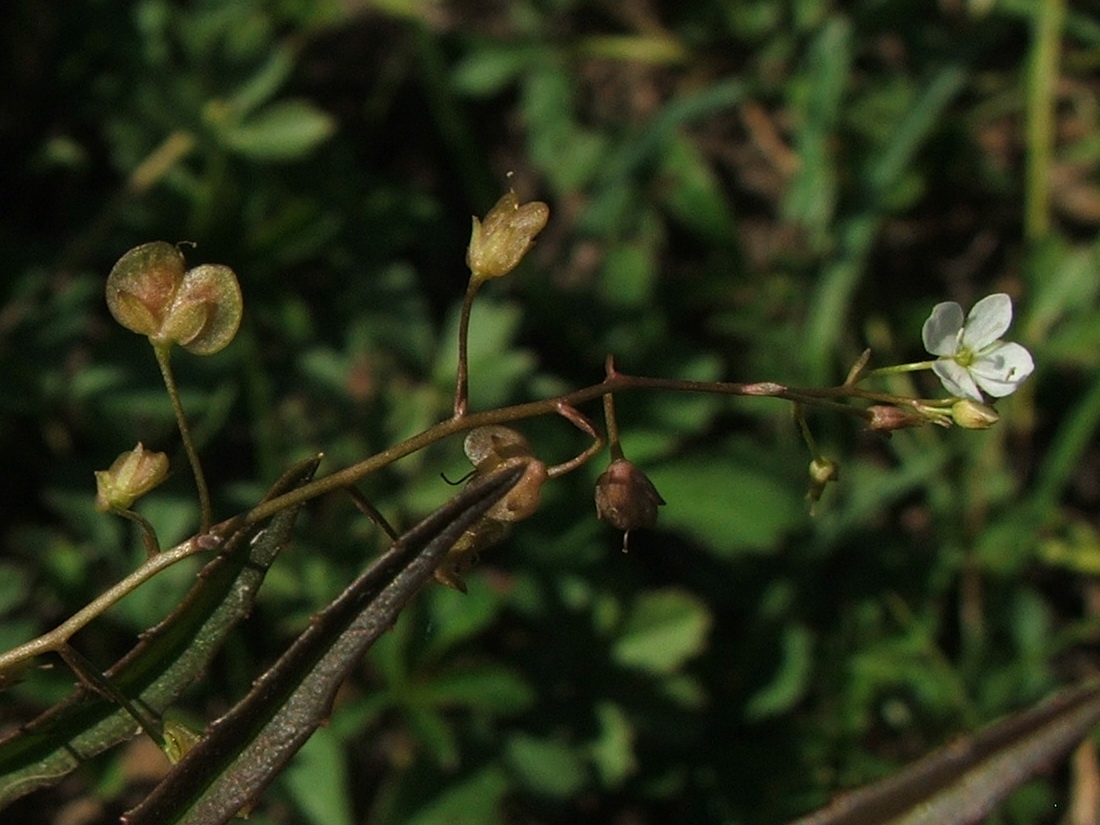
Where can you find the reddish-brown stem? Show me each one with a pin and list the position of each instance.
(614, 382)
(581, 422)
(462, 379)
(363, 505)
(827, 398)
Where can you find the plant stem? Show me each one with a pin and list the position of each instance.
(462, 381)
(163, 352)
(612, 425)
(57, 638)
(93, 679)
(918, 366)
(830, 398)
(148, 534)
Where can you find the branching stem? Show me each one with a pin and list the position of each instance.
(831, 398)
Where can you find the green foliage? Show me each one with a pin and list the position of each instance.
(738, 191)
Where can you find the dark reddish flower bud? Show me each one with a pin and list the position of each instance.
(626, 498)
(885, 418)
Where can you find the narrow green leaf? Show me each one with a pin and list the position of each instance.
(156, 671)
(812, 194)
(246, 748)
(265, 81)
(693, 193)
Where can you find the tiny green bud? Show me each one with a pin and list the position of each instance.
(150, 292)
(132, 475)
(822, 471)
(626, 498)
(499, 243)
(970, 415)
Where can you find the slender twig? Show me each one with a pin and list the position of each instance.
(363, 505)
(462, 381)
(610, 421)
(828, 398)
(163, 361)
(148, 534)
(582, 423)
(93, 679)
(807, 433)
(60, 635)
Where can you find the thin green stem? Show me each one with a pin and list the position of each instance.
(807, 433)
(163, 352)
(897, 369)
(60, 635)
(829, 398)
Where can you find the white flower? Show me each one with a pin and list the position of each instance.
(972, 354)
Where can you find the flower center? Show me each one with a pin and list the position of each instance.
(964, 357)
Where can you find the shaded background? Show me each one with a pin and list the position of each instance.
(738, 190)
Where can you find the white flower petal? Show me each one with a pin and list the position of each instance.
(941, 330)
(988, 320)
(1002, 369)
(956, 379)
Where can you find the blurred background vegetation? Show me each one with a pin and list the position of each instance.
(739, 189)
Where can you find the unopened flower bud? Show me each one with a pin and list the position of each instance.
(626, 498)
(499, 243)
(884, 418)
(822, 471)
(970, 415)
(150, 292)
(132, 475)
